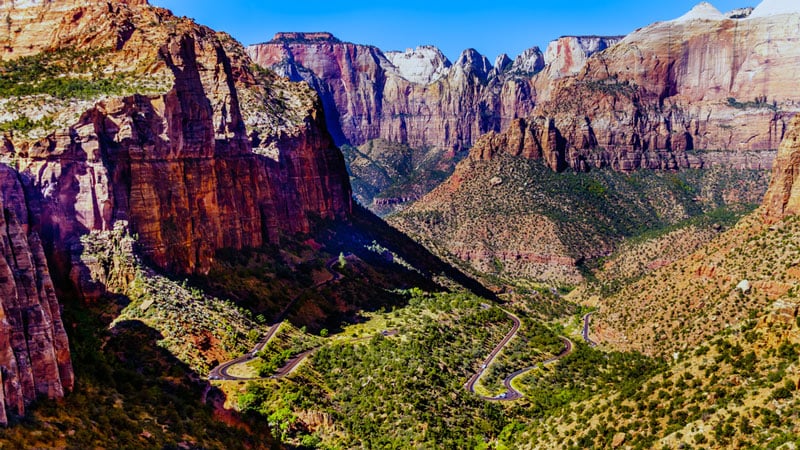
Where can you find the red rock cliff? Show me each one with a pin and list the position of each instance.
(34, 352)
(185, 142)
(783, 195)
(701, 82)
(418, 97)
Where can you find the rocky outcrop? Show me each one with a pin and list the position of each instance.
(540, 138)
(34, 352)
(423, 65)
(706, 81)
(417, 98)
(195, 151)
(193, 170)
(783, 195)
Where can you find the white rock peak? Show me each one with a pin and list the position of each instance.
(423, 65)
(702, 11)
(775, 7)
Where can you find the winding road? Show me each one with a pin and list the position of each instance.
(511, 393)
(586, 319)
(221, 371)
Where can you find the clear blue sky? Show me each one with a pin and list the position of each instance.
(489, 26)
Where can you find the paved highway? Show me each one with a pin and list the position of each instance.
(221, 371)
(586, 320)
(470, 385)
(511, 393)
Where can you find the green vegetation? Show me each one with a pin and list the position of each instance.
(575, 215)
(611, 86)
(757, 103)
(288, 341)
(382, 170)
(701, 399)
(406, 388)
(130, 393)
(65, 73)
(24, 124)
(397, 391)
(534, 343)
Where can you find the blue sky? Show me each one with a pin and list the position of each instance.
(489, 26)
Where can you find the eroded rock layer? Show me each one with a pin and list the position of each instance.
(703, 82)
(783, 196)
(34, 351)
(134, 115)
(417, 97)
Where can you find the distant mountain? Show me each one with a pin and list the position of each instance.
(417, 97)
(657, 98)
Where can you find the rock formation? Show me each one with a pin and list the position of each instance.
(706, 81)
(783, 195)
(34, 352)
(416, 97)
(182, 140)
(700, 82)
(567, 55)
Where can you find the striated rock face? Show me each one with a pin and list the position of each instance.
(424, 65)
(700, 82)
(783, 195)
(567, 55)
(182, 140)
(416, 97)
(193, 170)
(706, 81)
(702, 90)
(34, 352)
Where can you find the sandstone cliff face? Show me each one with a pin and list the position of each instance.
(192, 169)
(706, 81)
(701, 82)
(783, 196)
(416, 97)
(34, 352)
(192, 148)
(568, 54)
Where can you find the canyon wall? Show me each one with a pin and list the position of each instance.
(700, 82)
(416, 97)
(172, 132)
(34, 351)
(649, 100)
(783, 196)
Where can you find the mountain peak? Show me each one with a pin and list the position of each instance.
(472, 61)
(775, 7)
(530, 61)
(701, 11)
(424, 65)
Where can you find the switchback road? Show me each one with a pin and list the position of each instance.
(511, 393)
(221, 371)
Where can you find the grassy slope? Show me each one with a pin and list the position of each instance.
(676, 307)
(736, 390)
